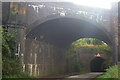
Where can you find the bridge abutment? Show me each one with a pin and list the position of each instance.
(43, 59)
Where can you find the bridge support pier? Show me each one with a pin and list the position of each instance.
(115, 31)
(43, 59)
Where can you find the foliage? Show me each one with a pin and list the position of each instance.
(12, 67)
(8, 54)
(94, 49)
(112, 72)
(86, 41)
(20, 75)
(91, 45)
(14, 11)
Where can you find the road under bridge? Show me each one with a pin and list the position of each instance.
(45, 30)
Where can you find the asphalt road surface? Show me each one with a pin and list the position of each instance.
(87, 75)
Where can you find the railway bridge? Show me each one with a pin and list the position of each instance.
(46, 29)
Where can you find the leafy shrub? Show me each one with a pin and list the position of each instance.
(20, 75)
(11, 64)
(112, 72)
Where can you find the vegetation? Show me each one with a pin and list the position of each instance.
(91, 45)
(11, 63)
(112, 72)
(86, 41)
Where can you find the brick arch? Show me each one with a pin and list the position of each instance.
(55, 17)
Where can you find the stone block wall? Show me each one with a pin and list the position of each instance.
(43, 59)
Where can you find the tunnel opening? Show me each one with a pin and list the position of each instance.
(97, 64)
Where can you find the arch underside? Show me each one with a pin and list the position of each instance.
(63, 31)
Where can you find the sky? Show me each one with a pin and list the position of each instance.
(94, 3)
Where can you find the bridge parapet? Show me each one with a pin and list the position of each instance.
(30, 13)
(41, 10)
